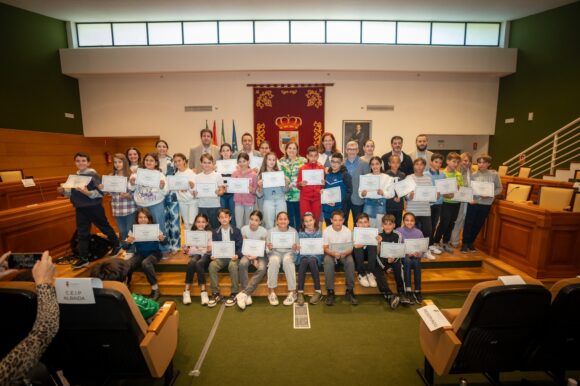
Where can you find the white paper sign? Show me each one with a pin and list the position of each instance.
(75, 181)
(223, 249)
(365, 236)
(446, 185)
(206, 189)
(394, 250)
(273, 179)
(370, 183)
(432, 317)
(252, 247)
(226, 166)
(149, 178)
(196, 238)
(424, 193)
(115, 184)
(483, 189)
(313, 177)
(256, 162)
(330, 195)
(238, 185)
(404, 187)
(28, 182)
(146, 232)
(464, 194)
(311, 246)
(416, 245)
(180, 182)
(76, 290)
(282, 240)
(511, 280)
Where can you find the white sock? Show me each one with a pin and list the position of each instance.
(155, 287)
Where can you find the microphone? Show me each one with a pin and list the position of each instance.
(511, 190)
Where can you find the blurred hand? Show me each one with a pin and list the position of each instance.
(43, 270)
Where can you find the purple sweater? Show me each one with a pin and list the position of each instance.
(407, 233)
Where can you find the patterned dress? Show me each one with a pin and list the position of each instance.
(171, 205)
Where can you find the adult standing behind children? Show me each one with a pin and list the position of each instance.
(206, 147)
(326, 149)
(171, 204)
(421, 142)
(356, 167)
(406, 161)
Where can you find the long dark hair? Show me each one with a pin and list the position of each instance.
(146, 212)
(207, 224)
(316, 225)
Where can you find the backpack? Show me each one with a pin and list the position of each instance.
(98, 246)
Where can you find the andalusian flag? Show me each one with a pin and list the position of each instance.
(214, 134)
(234, 138)
(223, 133)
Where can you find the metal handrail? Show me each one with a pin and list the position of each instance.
(559, 163)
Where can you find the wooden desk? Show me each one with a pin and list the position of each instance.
(540, 242)
(14, 194)
(536, 183)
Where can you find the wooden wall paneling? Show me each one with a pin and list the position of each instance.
(14, 194)
(144, 144)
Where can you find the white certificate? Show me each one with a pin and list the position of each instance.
(340, 247)
(256, 162)
(273, 179)
(365, 236)
(223, 249)
(394, 250)
(206, 189)
(416, 245)
(149, 178)
(370, 183)
(425, 193)
(483, 189)
(252, 247)
(446, 185)
(311, 247)
(282, 240)
(330, 195)
(196, 238)
(464, 194)
(76, 181)
(238, 185)
(313, 177)
(226, 166)
(433, 317)
(115, 184)
(146, 232)
(180, 182)
(404, 187)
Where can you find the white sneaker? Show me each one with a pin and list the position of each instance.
(273, 299)
(290, 299)
(429, 256)
(435, 249)
(363, 280)
(249, 300)
(241, 300)
(204, 298)
(186, 297)
(372, 280)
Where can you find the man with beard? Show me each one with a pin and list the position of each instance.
(406, 161)
(421, 142)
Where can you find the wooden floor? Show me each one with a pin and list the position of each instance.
(448, 273)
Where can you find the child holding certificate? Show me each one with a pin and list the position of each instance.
(310, 193)
(310, 230)
(227, 199)
(149, 197)
(478, 211)
(366, 278)
(396, 204)
(336, 176)
(274, 198)
(390, 235)
(199, 258)
(375, 202)
(87, 202)
(245, 202)
(412, 262)
(281, 244)
(225, 232)
(187, 201)
(208, 203)
(434, 171)
(148, 253)
(253, 231)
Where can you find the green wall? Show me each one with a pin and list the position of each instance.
(34, 95)
(546, 82)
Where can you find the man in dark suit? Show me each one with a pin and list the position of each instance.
(406, 161)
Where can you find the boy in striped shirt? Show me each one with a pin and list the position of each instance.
(421, 209)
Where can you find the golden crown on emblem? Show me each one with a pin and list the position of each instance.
(288, 122)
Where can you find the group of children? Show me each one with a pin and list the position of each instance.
(294, 207)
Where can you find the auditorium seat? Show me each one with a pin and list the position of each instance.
(11, 175)
(110, 339)
(502, 170)
(18, 300)
(524, 172)
(518, 192)
(576, 204)
(555, 198)
(493, 332)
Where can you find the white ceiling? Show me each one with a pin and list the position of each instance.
(162, 10)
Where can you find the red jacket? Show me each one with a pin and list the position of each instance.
(309, 192)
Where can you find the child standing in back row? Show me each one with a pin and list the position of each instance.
(310, 194)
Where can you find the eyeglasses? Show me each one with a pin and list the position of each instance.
(334, 162)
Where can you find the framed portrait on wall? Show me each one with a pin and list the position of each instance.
(358, 131)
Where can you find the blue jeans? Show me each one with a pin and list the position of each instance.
(356, 210)
(158, 213)
(413, 263)
(125, 224)
(271, 209)
(227, 201)
(294, 214)
(373, 207)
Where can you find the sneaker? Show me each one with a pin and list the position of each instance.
(393, 300)
(273, 299)
(415, 298)
(363, 280)
(447, 248)
(186, 297)
(231, 300)
(241, 300)
(204, 298)
(329, 298)
(315, 299)
(214, 300)
(290, 299)
(464, 248)
(435, 249)
(372, 280)
(300, 299)
(429, 256)
(471, 248)
(115, 251)
(80, 263)
(418, 297)
(411, 297)
(404, 299)
(351, 297)
(249, 300)
(154, 294)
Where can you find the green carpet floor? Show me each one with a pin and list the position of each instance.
(365, 345)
